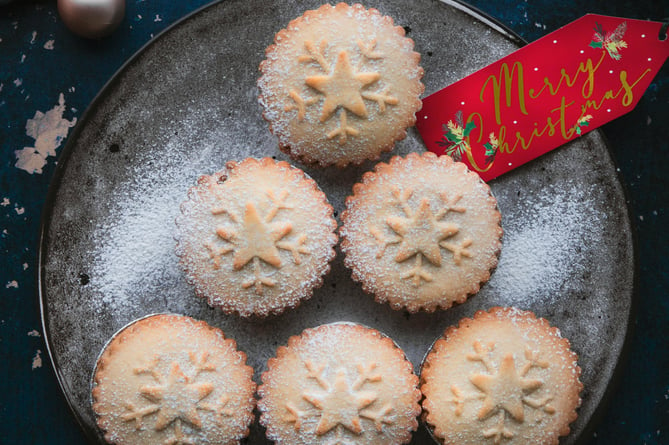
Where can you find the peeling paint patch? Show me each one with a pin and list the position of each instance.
(34, 333)
(5, 202)
(18, 82)
(49, 44)
(37, 360)
(13, 284)
(48, 130)
(20, 210)
(25, 266)
(34, 37)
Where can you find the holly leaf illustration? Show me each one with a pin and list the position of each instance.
(469, 127)
(489, 149)
(452, 137)
(597, 45)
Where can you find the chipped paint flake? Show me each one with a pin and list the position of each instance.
(34, 333)
(158, 18)
(49, 44)
(18, 82)
(34, 37)
(5, 202)
(37, 360)
(48, 130)
(20, 210)
(13, 284)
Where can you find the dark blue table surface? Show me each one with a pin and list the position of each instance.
(40, 60)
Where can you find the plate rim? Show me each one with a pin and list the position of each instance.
(70, 143)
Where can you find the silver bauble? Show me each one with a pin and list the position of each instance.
(91, 18)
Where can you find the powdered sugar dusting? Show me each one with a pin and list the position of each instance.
(135, 258)
(136, 244)
(546, 245)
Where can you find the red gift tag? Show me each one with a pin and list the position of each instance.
(545, 94)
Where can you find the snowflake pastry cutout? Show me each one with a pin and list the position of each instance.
(343, 87)
(177, 398)
(340, 403)
(255, 238)
(505, 390)
(422, 233)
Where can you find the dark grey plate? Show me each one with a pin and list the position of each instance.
(187, 103)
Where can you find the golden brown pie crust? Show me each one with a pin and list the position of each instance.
(340, 85)
(167, 378)
(256, 238)
(339, 383)
(421, 232)
(501, 377)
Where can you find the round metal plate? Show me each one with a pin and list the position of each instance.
(187, 103)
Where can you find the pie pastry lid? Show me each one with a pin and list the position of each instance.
(256, 238)
(340, 84)
(360, 367)
(168, 377)
(421, 232)
(466, 375)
